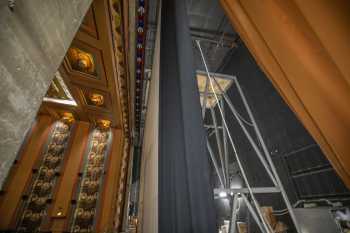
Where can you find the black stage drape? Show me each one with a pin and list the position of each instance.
(185, 195)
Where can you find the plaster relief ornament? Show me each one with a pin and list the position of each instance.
(81, 61)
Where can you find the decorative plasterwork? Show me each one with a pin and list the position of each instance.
(96, 99)
(122, 184)
(32, 210)
(120, 55)
(58, 92)
(81, 61)
(95, 68)
(89, 25)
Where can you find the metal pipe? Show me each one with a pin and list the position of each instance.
(300, 150)
(211, 133)
(219, 144)
(252, 212)
(234, 212)
(232, 143)
(204, 105)
(268, 157)
(251, 140)
(212, 127)
(245, 190)
(213, 159)
(224, 136)
(222, 76)
(211, 153)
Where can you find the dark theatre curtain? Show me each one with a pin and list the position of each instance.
(185, 195)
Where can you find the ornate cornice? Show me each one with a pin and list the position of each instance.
(121, 63)
(122, 184)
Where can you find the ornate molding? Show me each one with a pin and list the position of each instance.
(121, 62)
(122, 184)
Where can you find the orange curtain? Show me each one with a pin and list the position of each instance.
(304, 49)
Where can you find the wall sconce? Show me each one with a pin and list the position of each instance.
(223, 194)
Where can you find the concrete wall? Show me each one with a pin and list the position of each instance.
(148, 204)
(33, 41)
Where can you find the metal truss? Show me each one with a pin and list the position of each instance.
(247, 194)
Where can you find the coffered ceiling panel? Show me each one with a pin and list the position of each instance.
(96, 99)
(84, 63)
(94, 70)
(58, 92)
(89, 23)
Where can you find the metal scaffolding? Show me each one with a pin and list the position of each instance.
(220, 97)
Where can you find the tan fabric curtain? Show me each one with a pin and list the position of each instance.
(303, 46)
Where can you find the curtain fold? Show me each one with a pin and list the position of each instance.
(303, 47)
(186, 203)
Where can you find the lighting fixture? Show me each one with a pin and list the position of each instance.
(222, 194)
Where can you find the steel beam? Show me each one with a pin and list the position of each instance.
(219, 144)
(212, 127)
(234, 212)
(224, 137)
(268, 157)
(246, 132)
(231, 140)
(245, 190)
(205, 95)
(213, 159)
(264, 227)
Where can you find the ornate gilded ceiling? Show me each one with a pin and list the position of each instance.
(94, 72)
(82, 61)
(58, 92)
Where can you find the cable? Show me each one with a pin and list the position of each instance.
(279, 211)
(280, 214)
(244, 120)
